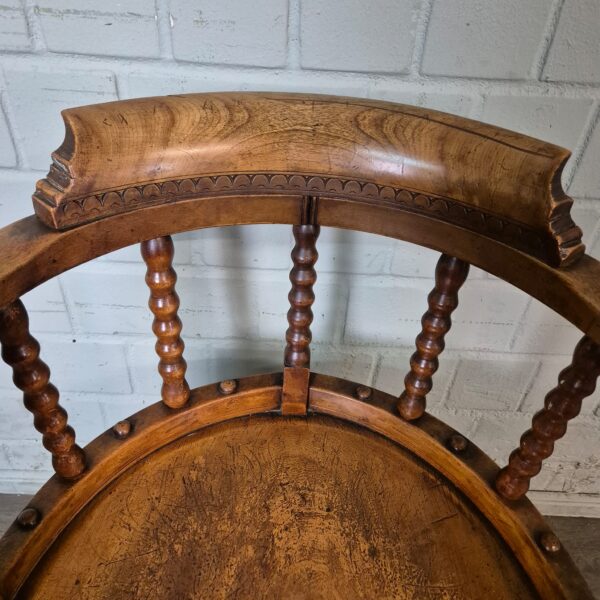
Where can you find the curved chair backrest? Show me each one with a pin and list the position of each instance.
(139, 170)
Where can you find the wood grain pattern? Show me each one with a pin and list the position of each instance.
(369, 151)
(450, 274)
(317, 509)
(21, 351)
(561, 404)
(164, 303)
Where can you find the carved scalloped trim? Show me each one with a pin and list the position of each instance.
(543, 245)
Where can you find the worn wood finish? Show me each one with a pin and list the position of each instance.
(562, 404)
(164, 303)
(450, 274)
(373, 152)
(21, 351)
(519, 524)
(108, 455)
(343, 513)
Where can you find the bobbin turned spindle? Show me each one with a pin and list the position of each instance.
(562, 404)
(21, 351)
(164, 304)
(450, 274)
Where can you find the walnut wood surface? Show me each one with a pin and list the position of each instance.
(267, 507)
(519, 524)
(21, 351)
(562, 404)
(450, 274)
(164, 304)
(131, 154)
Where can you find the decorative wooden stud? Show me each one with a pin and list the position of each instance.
(228, 386)
(164, 304)
(550, 542)
(450, 274)
(122, 429)
(363, 392)
(29, 518)
(562, 404)
(298, 336)
(458, 443)
(21, 351)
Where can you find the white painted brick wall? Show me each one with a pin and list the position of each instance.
(531, 66)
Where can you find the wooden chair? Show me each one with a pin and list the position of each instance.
(293, 484)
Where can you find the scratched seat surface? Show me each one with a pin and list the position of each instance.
(280, 508)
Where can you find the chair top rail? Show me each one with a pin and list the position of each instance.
(129, 155)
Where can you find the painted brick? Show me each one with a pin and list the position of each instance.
(212, 361)
(13, 26)
(46, 308)
(484, 38)
(81, 366)
(37, 97)
(15, 195)
(236, 32)
(554, 119)
(464, 421)
(342, 251)
(346, 362)
(498, 434)
(575, 51)
(586, 182)
(111, 28)
(215, 79)
(498, 384)
(248, 246)
(546, 379)
(486, 317)
(7, 152)
(457, 104)
(183, 251)
(26, 455)
(544, 331)
(410, 260)
(349, 35)
(394, 366)
(108, 304)
(208, 362)
(329, 310)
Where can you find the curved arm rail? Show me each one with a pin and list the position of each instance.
(127, 155)
(32, 253)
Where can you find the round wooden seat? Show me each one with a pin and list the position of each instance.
(276, 507)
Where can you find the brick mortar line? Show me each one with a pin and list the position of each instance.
(539, 61)
(421, 31)
(159, 66)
